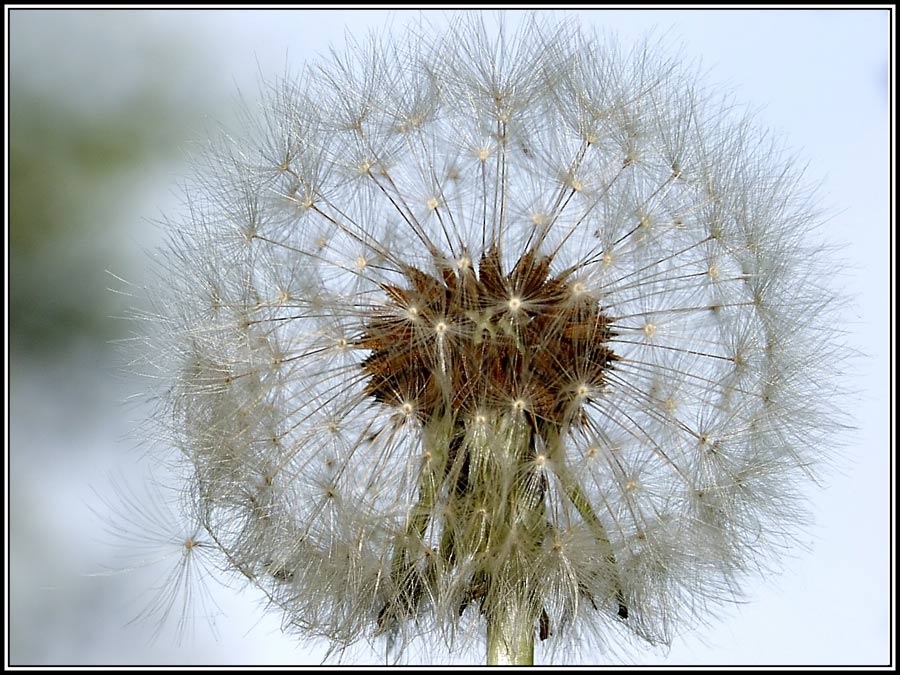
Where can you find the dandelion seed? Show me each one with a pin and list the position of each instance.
(569, 383)
(147, 533)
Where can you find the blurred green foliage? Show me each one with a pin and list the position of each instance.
(80, 154)
(64, 188)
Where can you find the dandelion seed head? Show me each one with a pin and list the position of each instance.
(475, 319)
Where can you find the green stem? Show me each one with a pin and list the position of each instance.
(510, 636)
(583, 506)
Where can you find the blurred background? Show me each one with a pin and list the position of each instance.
(103, 108)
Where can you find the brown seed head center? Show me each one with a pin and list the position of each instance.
(461, 341)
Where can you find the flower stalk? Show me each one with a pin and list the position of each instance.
(510, 635)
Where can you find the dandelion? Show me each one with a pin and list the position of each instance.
(517, 335)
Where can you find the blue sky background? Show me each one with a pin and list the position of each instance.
(817, 77)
